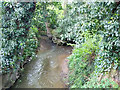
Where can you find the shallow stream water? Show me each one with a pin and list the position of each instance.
(48, 70)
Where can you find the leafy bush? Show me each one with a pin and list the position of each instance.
(32, 43)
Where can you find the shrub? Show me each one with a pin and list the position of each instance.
(81, 63)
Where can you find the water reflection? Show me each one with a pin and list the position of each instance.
(45, 71)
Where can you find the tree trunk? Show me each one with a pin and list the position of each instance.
(48, 30)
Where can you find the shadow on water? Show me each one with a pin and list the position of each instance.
(46, 71)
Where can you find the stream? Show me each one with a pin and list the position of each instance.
(49, 70)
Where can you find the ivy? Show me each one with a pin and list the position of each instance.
(16, 20)
(85, 20)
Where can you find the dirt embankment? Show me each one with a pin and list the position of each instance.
(64, 68)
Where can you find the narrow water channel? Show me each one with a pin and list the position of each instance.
(48, 70)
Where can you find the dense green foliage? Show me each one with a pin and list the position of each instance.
(87, 20)
(81, 63)
(104, 83)
(16, 37)
(21, 26)
(93, 28)
(47, 12)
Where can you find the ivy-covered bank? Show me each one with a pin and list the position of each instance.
(19, 41)
(95, 29)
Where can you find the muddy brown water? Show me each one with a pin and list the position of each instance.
(48, 70)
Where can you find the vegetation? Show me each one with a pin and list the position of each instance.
(16, 36)
(93, 29)
(47, 13)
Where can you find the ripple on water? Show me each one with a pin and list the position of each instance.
(45, 71)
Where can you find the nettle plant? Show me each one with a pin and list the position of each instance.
(16, 21)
